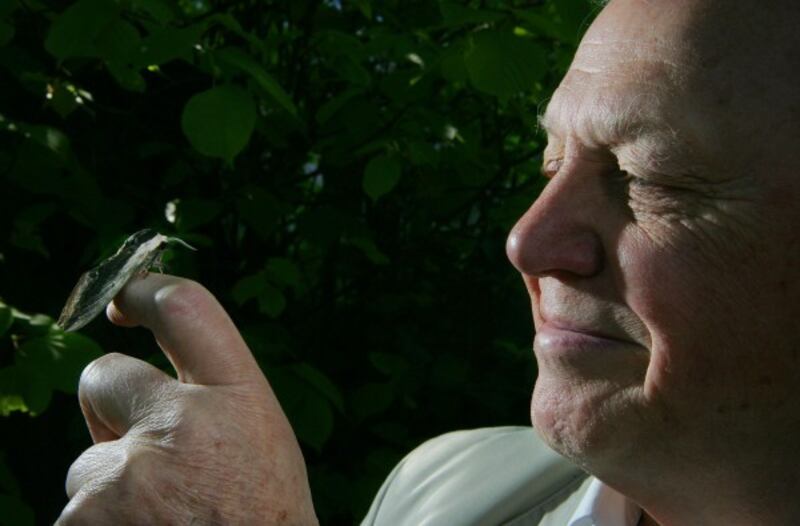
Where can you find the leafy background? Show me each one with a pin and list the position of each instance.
(348, 170)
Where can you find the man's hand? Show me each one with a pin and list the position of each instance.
(212, 447)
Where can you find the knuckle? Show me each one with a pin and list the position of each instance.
(182, 298)
(93, 464)
(138, 459)
(96, 370)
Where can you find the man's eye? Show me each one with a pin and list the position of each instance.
(624, 176)
(628, 179)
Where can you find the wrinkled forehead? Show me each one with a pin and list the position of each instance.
(619, 93)
(690, 70)
(610, 94)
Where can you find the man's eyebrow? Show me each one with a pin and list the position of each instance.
(651, 141)
(605, 124)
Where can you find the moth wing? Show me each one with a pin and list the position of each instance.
(88, 299)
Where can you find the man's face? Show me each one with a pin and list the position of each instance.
(663, 257)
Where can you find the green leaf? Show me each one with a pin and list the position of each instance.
(502, 64)
(283, 272)
(319, 381)
(336, 103)
(74, 33)
(6, 318)
(126, 76)
(305, 405)
(350, 70)
(248, 287)
(455, 14)
(119, 41)
(380, 176)
(220, 121)
(12, 385)
(312, 419)
(161, 10)
(365, 6)
(50, 138)
(335, 43)
(33, 325)
(451, 63)
(565, 20)
(368, 247)
(167, 44)
(238, 59)
(271, 301)
(10, 403)
(63, 100)
(35, 391)
(58, 358)
(6, 32)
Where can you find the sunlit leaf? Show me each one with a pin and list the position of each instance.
(62, 100)
(58, 357)
(12, 387)
(219, 122)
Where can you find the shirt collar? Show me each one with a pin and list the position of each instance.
(604, 506)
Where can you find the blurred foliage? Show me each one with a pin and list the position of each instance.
(349, 171)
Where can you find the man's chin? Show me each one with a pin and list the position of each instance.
(585, 424)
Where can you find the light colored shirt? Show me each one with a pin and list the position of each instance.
(604, 506)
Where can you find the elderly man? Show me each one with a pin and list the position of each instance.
(663, 266)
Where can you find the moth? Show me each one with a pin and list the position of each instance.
(97, 287)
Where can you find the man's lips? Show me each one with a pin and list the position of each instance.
(560, 337)
(583, 329)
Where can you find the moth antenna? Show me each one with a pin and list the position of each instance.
(181, 242)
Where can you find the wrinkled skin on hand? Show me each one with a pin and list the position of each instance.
(212, 447)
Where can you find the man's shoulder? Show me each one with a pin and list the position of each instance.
(488, 476)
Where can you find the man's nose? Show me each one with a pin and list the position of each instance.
(559, 235)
